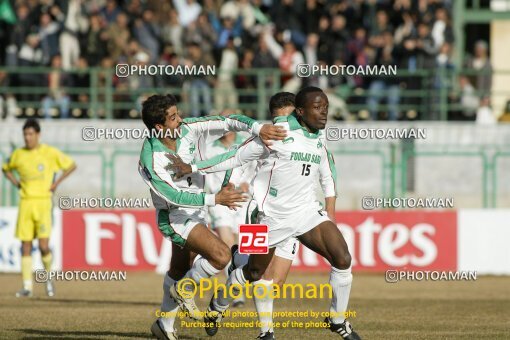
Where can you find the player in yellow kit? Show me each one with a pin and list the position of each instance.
(37, 166)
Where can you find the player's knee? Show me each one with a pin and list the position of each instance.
(342, 261)
(44, 250)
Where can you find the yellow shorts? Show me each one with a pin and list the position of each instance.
(34, 219)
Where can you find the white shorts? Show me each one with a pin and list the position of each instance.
(176, 224)
(283, 229)
(222, 216)
(287, 249)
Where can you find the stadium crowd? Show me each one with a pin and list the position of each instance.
(238, 37)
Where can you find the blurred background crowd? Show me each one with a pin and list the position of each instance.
(239, 37)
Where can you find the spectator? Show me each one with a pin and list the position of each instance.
(442, 30)
(202, 33)
(58, 81)
(385, 87)
(443, 80)
(337, 89)
(48, 36)
(288, 59)
(247, 81)
(225, 91)
(200, 85)
(336, 40)
(288, 15)
(81, 81)
(75, 22)
(188, 10)
(30, 55)
(118, 37)
(110, 11)
(236, 9)
(94, 45)
(226, 28)
(483, 67)
(141, 85)
(147, 32)
(21, 29)
(170, 58)
(172, 32)
(263, 57)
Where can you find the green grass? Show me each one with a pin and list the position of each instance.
(405, 310)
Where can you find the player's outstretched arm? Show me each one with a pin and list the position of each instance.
(251, 149)
(214, 127)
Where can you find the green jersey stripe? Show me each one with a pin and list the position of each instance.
(169, 191)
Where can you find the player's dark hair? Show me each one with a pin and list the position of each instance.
(154, 109)
(32, 123)
(281, 100)
(302, 95)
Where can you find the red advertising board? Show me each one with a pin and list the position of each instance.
(378, 240)
(381, 240)
(110, 239)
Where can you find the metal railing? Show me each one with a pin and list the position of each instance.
(426, 91)
(393, 163)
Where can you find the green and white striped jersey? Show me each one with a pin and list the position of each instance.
(287, 175)
(195, 133)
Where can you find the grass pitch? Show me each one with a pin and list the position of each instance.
(404, 310)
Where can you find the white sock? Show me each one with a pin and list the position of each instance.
(27, 284)
(340, 281)
(168, 305)
(264, 304)
(201, 269)
(223, 299)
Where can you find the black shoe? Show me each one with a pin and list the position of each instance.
(233, 251)
(212, 319)
(344, 329)
(266, 336)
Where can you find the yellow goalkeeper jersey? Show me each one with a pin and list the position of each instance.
(37, 169)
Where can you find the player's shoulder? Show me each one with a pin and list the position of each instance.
(195, 120)
(48, 149)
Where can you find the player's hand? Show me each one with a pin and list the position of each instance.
(177, 166)
(230, 197)
(272, 132)
(245, 187)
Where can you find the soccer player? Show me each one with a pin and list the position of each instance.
(180, 204)
(283, 190)
(37, 165)
(225, 221)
